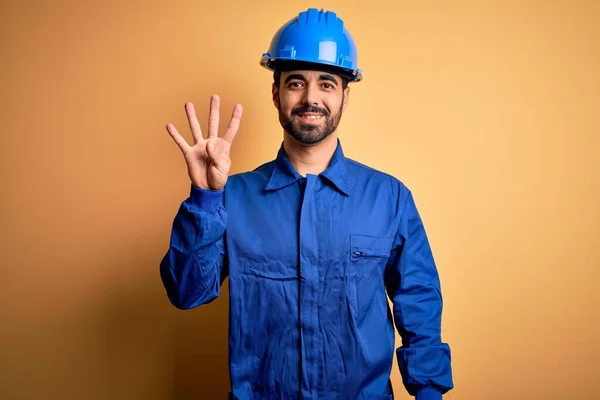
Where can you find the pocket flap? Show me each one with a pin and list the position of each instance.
(371, 245)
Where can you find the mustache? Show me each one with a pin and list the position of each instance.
(309, 109)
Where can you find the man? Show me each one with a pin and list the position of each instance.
(311, 243)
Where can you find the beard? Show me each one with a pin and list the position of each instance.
(309, 133)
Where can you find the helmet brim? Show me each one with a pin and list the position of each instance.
(292, 64)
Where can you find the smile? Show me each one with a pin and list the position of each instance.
(310, 116)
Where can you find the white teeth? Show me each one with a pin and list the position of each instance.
(311, 116)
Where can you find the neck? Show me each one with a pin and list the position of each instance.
(310, 159)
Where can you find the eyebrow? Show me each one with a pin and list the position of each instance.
(327, 77)
(322, 77)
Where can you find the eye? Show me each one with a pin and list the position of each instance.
(295, 85)
(328, 86)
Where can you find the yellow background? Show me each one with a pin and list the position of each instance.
(487, 110)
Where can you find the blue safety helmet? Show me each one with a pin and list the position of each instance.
(315, 37)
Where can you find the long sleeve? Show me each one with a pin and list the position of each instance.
(413, 285)
(194, 266)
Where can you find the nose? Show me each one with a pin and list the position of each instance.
(311, 95)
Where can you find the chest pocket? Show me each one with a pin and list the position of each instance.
(368, 258)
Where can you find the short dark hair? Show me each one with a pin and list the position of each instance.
(279, 67)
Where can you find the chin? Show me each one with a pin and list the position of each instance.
(310, 138)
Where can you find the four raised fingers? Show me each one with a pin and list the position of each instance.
(213, 128)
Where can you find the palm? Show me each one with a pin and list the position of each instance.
(208, 160)
(209, 173)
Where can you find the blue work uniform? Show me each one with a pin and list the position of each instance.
(311, 262)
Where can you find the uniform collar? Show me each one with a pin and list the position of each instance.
(284, 174)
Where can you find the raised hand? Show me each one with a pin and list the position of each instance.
(208, 161)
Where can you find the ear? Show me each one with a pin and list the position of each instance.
(346, 98)
(275, 95)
